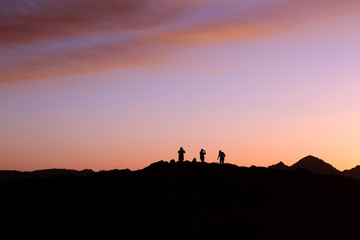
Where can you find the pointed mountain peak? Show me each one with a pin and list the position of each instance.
(315, 165)
(279, 166)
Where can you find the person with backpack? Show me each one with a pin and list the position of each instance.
(221, 156)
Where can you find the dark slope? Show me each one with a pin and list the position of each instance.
(279, 166)
(353, 173)
(8, 175)
(315, 165)
(182, 201)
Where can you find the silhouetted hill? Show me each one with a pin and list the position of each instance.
(6, 175)
(315, 165)
(353, 173)
(182, 201)
(279, 166)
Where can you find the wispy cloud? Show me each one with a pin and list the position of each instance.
(43, 39)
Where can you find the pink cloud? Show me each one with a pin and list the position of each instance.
(135, 32)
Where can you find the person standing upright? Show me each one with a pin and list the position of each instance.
(181, 154)
(202, 155)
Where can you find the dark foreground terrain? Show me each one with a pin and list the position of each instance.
(182, 201)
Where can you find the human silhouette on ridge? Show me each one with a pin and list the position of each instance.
(202, 155)
(181, 154)
(221, 156)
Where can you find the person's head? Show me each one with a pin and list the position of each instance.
(202, 150)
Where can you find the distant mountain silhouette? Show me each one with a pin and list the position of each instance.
(8, 175)
(318, 166)
(182, 201)
(310, 163)
(315, 165)
(352, 173)
(279, 166)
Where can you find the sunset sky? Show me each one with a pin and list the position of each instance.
(124, 83)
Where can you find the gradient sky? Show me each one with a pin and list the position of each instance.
(123, 83)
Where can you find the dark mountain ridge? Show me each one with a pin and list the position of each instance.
(318, 166)
(279, 166)
(182, 201)
(10, 175)
(352, 173)
(315, 165)
(311, 163)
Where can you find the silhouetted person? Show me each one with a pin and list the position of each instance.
(181, 154)
(194, 160)
(221, 156)
(202, 155)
